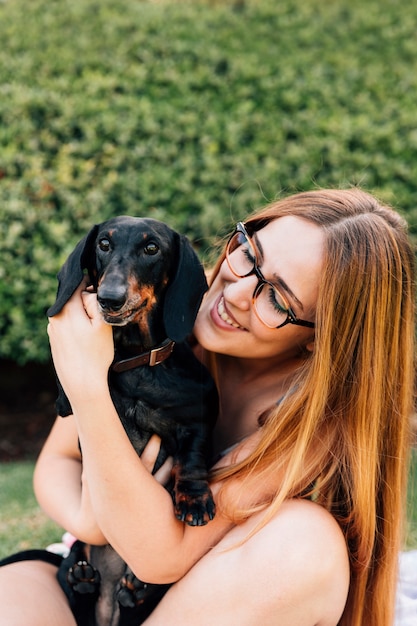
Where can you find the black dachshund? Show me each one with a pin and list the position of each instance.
(149, 285)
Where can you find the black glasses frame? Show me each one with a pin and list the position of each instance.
(291, 317)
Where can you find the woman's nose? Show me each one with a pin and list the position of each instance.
(239, 291)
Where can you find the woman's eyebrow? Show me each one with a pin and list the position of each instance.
(277, 279)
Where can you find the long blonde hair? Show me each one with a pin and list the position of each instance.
(341, 435)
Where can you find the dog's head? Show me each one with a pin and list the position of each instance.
(137, 265)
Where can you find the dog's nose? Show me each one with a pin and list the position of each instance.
(112, 300)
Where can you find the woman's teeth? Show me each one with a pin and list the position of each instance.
(222, 313)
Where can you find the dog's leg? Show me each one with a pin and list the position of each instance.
(137, 599)
(193, 500)
(81, 584)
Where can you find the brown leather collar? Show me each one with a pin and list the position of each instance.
(151, 357)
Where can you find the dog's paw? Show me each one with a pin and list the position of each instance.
(195, 509)
(83, 577)
(133, 592)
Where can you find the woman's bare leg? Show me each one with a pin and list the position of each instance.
(31, 596)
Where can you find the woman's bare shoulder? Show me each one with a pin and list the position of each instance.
(306, 532)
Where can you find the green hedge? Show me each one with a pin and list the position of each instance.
(190, 112)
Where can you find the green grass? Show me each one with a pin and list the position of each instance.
(23, 525)
(411, 541)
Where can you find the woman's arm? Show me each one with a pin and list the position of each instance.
(295, 570)
(133, 510)
(59, 485)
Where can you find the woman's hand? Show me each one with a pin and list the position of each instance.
(81, 344)
(149, 457)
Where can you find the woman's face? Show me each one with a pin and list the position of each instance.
(290, 251)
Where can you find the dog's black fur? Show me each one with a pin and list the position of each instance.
(149, 285)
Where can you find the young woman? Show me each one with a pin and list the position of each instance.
(308, 328)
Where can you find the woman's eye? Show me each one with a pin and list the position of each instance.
(276, 301)
(247, 253)
(104, 245)
(151, 249)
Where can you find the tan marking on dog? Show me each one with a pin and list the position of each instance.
(138, 294)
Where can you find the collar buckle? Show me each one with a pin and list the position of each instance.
(151, 357)
(162, 352)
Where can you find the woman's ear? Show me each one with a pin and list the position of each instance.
(310, 346)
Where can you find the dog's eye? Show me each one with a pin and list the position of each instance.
(151, 249)
(104, 245)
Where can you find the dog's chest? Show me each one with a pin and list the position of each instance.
(161, 400)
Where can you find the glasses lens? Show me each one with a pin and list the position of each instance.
(270, 305)
(240, 255)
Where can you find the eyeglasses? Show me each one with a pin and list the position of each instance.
(271, 307)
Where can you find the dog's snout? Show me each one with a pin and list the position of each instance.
(112, 299)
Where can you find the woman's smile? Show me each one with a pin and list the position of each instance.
(225, 315)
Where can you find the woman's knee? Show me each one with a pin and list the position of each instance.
(31, 596)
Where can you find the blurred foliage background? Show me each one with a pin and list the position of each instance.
(194, 113)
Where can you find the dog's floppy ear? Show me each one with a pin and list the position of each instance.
(184, 293)
(71, 273)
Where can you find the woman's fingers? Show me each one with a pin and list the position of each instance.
(164, 473)
(149, 457)
(81, 343)
(150, 452)
(89, 301)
